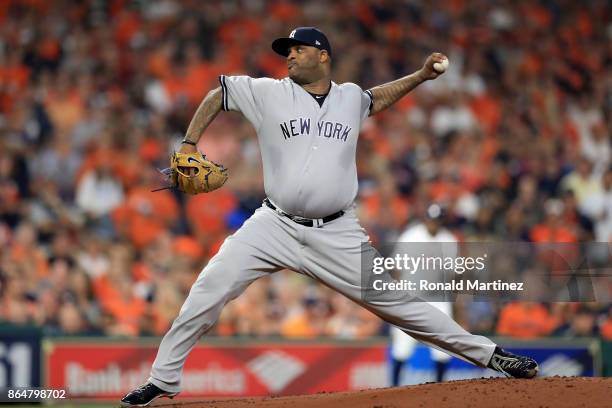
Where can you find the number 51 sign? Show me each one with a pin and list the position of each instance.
(19, 357)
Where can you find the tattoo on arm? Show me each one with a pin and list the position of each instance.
(206, 112)
(387, 94)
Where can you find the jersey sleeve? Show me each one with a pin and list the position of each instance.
(367, 100)
(245, 95)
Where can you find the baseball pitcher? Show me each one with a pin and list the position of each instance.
(307, 127)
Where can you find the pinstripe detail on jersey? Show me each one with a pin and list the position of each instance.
(224, 91)
(371, 99)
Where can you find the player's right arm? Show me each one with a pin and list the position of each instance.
(204, 115)
(385, 95)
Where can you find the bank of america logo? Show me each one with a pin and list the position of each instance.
(276, 369)
(560, 364)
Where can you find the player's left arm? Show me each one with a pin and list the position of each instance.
(387, 94)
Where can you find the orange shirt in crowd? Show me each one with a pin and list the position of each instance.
(487, 111)
(103, 289)
(13, 79)
(241, 29)
(127, 24)
(525, 320)
(557, 258)
(273, 66)
(95, 158)
(151, 149)
(283, 10)
(124, 165)
(14, 76)
(125, 312)
(33, 256)
(299, 326)
(374, 206)
(161, 322)
(544, 233)
(65, 109)
(159, 64)
(188, 246)
(606, 329)
(445, 190)
(200, 78)
(141, 272)
(207, 212)
(145, 215)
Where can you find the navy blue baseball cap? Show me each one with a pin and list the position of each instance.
(302, 35)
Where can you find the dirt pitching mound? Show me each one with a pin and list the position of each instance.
(557, 392)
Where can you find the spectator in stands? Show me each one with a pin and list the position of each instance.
(582, 182)
(525, 320)
(98, 193)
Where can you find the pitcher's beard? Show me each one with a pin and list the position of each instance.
(298, 79)
(304, 76)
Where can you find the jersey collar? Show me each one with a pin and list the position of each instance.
(332, 89)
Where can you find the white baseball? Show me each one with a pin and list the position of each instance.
(440, 67)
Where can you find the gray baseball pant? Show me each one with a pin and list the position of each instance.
(331, 254)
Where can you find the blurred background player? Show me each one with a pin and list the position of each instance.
(429, 230)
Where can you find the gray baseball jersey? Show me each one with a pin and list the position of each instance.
(307, 150)
(308, 154)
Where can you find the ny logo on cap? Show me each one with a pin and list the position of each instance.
(292, 34)
(317, 42)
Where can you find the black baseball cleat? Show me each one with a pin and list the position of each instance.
(512, 365)
(143, 395)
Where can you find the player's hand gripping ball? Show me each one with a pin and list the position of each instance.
(434, 66)
(193, 173)
(440, 67)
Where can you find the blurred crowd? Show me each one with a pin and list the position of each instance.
(513, 141)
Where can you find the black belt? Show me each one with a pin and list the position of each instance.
(308, 222)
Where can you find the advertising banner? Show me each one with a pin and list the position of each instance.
(563, 358)
(102, 370)
(107, 370)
